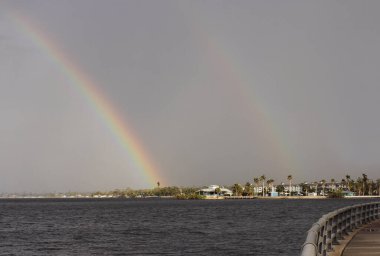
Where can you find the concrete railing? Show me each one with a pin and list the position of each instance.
(333, 226)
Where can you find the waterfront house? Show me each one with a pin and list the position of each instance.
(258, 190)
(295, 189)
(214, 190)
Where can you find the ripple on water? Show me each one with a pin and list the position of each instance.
(158, 227)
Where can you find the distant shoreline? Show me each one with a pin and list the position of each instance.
(290, 197)
(207, 198)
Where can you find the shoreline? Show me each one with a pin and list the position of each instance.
(298, 197)
(207, 198)
(285, 197)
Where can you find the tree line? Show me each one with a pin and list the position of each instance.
(155, 192)
(360, 186)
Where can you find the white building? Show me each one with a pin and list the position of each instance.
(294, 189)
(212, 191)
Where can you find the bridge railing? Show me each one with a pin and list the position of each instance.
(333, 226)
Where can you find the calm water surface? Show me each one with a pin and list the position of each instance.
(153, 227)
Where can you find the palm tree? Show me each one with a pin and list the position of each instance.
(305, 188)
(359, 186)
(270, 183)
(323, 186)
(256, 181)
(248, 189)
(378, 186)
(316, 186)
(348, 179)
(343, 182)
(333, 182)
(158, 184)
(365, 183)
(290, 177)
(370, 187)
(263, 178)
(237, 189)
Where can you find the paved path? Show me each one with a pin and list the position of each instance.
(366, 242)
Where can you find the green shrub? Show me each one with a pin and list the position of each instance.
(192, 196)
(335, 194)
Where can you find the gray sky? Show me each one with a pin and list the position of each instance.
(217, 92)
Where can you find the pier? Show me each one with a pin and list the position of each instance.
(353, 230)
(366, 241)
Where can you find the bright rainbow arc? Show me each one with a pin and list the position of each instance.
(94, 97)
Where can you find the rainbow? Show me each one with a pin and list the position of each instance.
(231, 71)
(239, 85)
(94, 96)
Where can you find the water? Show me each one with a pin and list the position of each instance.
(153, 227)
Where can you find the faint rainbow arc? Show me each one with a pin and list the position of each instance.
(220, 57)
(248, 99)
(110, 117)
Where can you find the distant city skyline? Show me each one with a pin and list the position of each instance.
(97, 95)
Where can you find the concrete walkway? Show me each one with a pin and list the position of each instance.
(366, 242)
